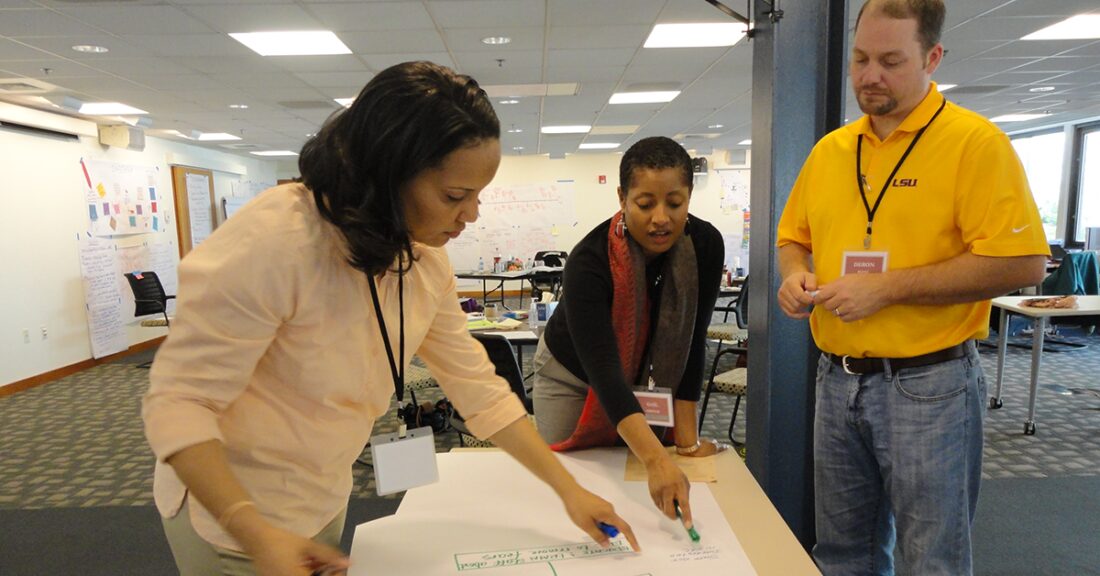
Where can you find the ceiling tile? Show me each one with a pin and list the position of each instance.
(372, 16)
(605, 12)
(484, 13)
(379, 62)
(255, 17)
(393, 41)
(41, 22)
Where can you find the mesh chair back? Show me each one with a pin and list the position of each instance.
(741, 312)
(552, 257)
(149, 296)
(503, 356)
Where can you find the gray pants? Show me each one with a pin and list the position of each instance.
(558, 397)
(197, 557)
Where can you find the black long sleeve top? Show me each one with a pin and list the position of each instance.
(580, 334)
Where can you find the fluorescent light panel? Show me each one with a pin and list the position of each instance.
(217, 137)
(695, 35)
(643, 97)
(1080, 27)
(296, 43)
(599, 145)
(521, 90)
(1018, 117)
(275, 153)
(745, 142)
(577, 129)
(614, 129)
(109, 109)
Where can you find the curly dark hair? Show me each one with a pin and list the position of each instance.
(655, 152)
(406, 120)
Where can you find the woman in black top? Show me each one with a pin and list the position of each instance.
(639, 291)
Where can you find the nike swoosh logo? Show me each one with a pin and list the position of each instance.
(1020, 229)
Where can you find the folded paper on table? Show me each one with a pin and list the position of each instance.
(696, 469)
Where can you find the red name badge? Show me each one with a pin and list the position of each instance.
(864, 263)
(657, 405)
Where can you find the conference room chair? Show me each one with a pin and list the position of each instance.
(503, 357)
(737, 331)
(735, 380)
(1079, 275)
(149, 299)
(548, 282)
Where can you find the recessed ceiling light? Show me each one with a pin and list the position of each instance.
(1018, 117)
(239, 106)
(715, 126)
(695, 35)
(108, 109)
(345, 102)
(577, 129)
(1041, 89)
(945, 87)
(745, 142)
(298, 43)
(510, 101)
(517, 147)
(493, 40)
(1080, 27)
(275, 153)
(515, 130)
(217, 137)
(90, 49)
(599, 145)
(643, 97)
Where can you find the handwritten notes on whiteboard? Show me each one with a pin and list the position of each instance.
(514, 221)
(102, 295)
(199, 207)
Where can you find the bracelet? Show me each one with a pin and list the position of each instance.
(688, 450)
(227, 516)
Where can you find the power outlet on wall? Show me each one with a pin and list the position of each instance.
(45, 334)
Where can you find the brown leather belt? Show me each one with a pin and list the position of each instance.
(875, 365)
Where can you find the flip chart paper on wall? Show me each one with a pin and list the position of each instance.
(487, 516)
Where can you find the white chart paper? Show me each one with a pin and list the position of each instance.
(487, 516)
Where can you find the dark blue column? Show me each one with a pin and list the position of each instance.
(798, 94)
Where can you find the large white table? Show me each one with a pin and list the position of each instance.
(1086, 306)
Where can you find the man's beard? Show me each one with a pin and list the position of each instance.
(882, 109)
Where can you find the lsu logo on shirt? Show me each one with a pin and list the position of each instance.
(905, 182)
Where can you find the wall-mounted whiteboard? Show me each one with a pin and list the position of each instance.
(515, 221)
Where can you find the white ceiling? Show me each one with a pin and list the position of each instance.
(174, 59)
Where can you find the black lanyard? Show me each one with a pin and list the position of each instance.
(398, 376)
(861, 181)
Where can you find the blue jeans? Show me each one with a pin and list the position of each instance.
(898, 460)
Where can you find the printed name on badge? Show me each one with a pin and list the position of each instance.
(864, 263)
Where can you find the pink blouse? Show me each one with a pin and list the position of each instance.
(276, 352)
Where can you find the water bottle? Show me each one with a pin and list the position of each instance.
(480, 264)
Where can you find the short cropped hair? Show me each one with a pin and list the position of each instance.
(929, 15)
(655, 152)
(407, 119)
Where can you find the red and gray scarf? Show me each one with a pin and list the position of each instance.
(630, 320)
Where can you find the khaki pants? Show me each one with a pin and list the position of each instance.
(558, 397)
(197, 557)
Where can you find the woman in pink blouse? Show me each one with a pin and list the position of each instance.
(279, 360)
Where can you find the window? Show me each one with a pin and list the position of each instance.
(1088, 183)
(1042, 156)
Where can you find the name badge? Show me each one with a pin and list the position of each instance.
(863, 263)
(405, 462)
(657, 405)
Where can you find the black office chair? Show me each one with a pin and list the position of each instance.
(149, 298)
(548, 282)
(503, 356)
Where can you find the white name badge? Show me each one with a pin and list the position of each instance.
(657, 406)
(863, 263)
(403, 463)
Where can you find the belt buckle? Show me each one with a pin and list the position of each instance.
(847, 370)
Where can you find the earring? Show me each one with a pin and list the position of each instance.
(620, 227)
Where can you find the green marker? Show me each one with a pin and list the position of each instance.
(691, 531)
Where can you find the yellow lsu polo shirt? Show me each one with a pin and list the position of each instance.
(962, 188)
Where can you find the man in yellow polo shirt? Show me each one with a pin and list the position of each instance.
(899, 229)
